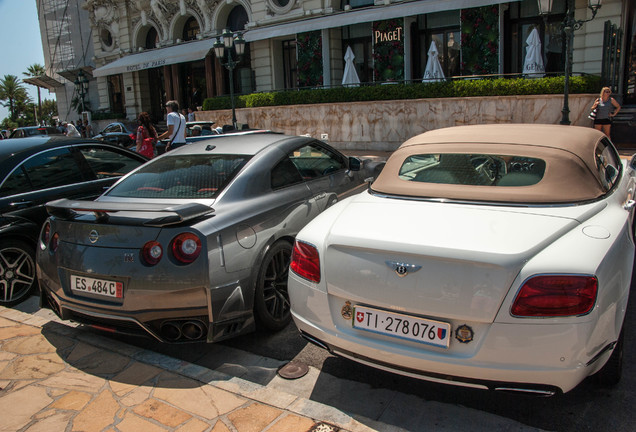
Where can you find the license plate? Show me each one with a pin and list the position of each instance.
(402, 326)
(102, 287)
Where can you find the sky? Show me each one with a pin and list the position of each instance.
(21, 44)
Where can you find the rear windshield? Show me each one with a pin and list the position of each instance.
(187, 176)
(473, 169)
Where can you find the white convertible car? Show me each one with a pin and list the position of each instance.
(491, 256)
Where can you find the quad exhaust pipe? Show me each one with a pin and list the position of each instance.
(182, 331)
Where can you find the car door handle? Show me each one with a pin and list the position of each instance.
(629, 205)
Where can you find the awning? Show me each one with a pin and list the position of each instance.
(183, 52)
(356, 16)
(44, 81)
(71, 74)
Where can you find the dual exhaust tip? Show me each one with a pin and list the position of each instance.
(182, 331)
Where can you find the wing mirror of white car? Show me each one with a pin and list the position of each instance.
(632, 162)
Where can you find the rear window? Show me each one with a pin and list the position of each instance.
(187, 176)
(473, 169)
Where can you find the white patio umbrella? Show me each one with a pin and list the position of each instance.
(533, 64)
(350, 77)
(433, 71)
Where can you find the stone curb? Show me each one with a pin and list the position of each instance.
(276, 398)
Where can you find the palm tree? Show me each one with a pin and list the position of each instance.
(36, 70)
(12, 91)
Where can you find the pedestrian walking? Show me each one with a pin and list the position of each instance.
(176, 123)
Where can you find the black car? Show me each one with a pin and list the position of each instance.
(118, 134)
(34, 171)
(28, 131)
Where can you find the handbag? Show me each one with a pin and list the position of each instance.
(592, 115)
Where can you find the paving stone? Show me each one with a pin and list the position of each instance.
(292, 423)
(221, 427)
(18, 407)
(6, 355)
(133, 376)
(193, 425)
(98, 414)
(253, 418)
(132, 423)
(17, 331)
(33, 367)
(6, 323)
(137, 396)
(194, 397)
(57, 421)
(73, 400)
(102, 363)
(29, 345)
(80, 350)
(74, 380)
(161, 412)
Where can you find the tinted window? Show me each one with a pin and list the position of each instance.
(108, 163)
(187, 176)
(51, 168)
(285, 174)
(608, 163)
(473, 169)
(16, 183)
(313, 161)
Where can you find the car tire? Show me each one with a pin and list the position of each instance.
(271, 301)
(17, 271)
(611, 373)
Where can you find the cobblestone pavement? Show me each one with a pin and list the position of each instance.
(54, 377)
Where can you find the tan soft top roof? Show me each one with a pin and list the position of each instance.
(570, 175)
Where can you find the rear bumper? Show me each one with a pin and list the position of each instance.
(167, 325)
(541, 359)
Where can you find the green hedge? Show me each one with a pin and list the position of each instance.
(454, 88)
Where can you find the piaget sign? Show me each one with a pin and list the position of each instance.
(388, 50)
(388, 36)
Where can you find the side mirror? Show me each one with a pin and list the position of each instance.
(354, 164)
(632, 162)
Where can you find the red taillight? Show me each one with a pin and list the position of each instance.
(46, 235)
(556, 295)
(133, 137)
(152, 252)
(186, 247)
(305, 261)
(55, 241)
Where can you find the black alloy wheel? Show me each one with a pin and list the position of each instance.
(17, 271)
(271, 297)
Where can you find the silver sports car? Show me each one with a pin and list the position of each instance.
(196, 243)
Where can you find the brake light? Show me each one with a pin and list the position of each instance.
(305, 261)
(186, 247)
(151, 253)
(133, 136)
(55, 241)
(556, 295)
(45, 236)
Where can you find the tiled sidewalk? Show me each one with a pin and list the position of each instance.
(58, 378)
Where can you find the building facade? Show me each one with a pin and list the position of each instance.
(148, 51)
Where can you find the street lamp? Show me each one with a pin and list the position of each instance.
(81, 86)
(223, 51)
(569, 25)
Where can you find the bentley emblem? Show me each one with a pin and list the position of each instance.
(93, 236)
(347, 311)
(402, 269)
(464, 334)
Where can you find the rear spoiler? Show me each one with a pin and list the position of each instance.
(67, 209)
